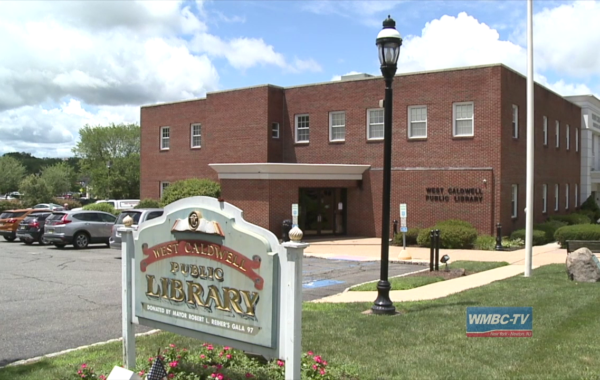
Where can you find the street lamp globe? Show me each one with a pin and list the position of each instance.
(388, 44)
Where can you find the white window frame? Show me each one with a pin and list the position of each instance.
(568, 137)
(370, 125)
(544, 198)
(164, 139)
(515, 121)
(198, 135)
(454, 119)
(576, 139)
(556, 197)
(514, 200)
(274, 130)
(576, 198)
(163, 186)
(297, 128)
(411, 121)
(545, 131)
(557, 131)
(340, 127)
(566, 196)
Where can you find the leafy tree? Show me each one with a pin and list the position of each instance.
(59, 178)
(104, 206)
(110, 158)
(34, 190)
(148, 203)
(190, 188)
(12, 173)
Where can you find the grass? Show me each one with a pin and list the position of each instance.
(427, 341)
(407, 282)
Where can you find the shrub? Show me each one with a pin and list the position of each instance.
(451, 236)
(485, 243)
(454, 222)
(411, 237)
(572, 219)
(589, 213)
(549, 228)
(539, 237)
(577, 232)
(71, 202)
(10, 205)
(148, 203)
(104, 206)
(591, 206)
(190, 188)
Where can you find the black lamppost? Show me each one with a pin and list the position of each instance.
(108, 165)
(388, 44)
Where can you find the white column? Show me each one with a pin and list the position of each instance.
(127, 254)
(530, 145)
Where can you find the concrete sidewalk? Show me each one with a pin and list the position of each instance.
(365, 249)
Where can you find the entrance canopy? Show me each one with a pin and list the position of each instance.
(290, 171)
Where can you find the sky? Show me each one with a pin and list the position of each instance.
(67, 64)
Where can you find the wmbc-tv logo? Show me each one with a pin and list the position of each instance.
(500, 322)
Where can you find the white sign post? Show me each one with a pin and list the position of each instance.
(403, 228)
(295, 214)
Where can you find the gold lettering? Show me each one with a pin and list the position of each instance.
(185, 269)
(229, 257)
(150, 288)
(203, 274)
(194, 271)
(196, 249)
(176, 248)
(169, 250)
(231, 298)
(211, 250)
(165, 287)
(219, 253)
(156, 253)
(250, 300)
(195, 292)
(174, 267)
(187, 248)
(242, 265)
(213, 294)
(218, 274)
(177, 293)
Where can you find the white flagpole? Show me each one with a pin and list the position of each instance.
(530, 144)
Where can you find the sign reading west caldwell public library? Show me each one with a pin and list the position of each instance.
(203, 271)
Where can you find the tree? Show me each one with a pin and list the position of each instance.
(190, 188)
(59, 178)
(12, 173)
(110, 158)
(35, 190)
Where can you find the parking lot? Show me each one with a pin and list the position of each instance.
(56, 299)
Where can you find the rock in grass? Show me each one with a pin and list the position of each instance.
(583, 266)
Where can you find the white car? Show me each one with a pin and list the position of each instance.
(49, 206)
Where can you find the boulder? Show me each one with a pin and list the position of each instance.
(583, 266)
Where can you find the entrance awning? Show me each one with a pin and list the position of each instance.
(290, 171)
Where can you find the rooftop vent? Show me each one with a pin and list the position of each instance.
(356, 76)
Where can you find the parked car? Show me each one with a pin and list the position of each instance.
(78, 227)
(139, 216)
(11, 219)
(31, 229)
(49, 206)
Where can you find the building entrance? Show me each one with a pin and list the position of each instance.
(322, 211)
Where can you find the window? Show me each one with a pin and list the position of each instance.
(463, 119)
(165, 136)
(545, 131)
(556, 197)
(515, 121)
(163, 186)
(417, 122)
(557, 133)
(576, 200)
(196, 135)
(302, 128)
(275, 130)
(337, 126)
(513, 202)
(567, 196)
(544, 198)
(375, 124)
(568, 137)
(576, 139)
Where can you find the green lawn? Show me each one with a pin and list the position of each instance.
(427, 341)
(405, 283)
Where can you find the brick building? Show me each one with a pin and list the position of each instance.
(459, 150)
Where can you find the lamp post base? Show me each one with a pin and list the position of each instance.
(383, 305)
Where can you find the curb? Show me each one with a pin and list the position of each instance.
(400, 275)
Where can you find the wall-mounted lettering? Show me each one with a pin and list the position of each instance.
(456, 194)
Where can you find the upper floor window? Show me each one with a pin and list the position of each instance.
(544, 198)
(165, 137)
(556, 197)
(568, 132)
(557, 133)
(275, 130)
(545, 130)
(302, 128)
(576, 139)
(163, 186)
(417, 122)
(515, 121)
(463, 119)
(337, 126)
(513, 202)
(567, 196)
(375, 124)
(196, 135)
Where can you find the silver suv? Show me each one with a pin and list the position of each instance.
(139, 216)
(79, 228)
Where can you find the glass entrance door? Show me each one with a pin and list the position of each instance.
(322, 211)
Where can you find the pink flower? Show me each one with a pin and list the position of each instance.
(102, 377)
(213, 375)
(150, 359)
(310, 353)
(314, 366)
(172, 345)
(227, 348)
(249, 375)
(228, 356)
(171, 375)
(280, 363)
(209, 347)
(84, 365)
(173, 364)
(324, 362)
(205, 366)
(219, 366)
(79, 372)
(202, 356)
(220, 354)
(203, 344)
(318, 359)
(141, 373)
(322, 372)
(219, 376)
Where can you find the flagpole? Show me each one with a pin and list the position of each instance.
(530, 145)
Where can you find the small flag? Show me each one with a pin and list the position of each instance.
(157, 372)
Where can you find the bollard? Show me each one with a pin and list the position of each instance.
(498, 237)
(431, 249)
(437, 249)
(395, 228)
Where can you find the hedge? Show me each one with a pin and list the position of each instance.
(148, 203)
(411, 236)
(104, 206)
(549, 228)
(10, 205)
(590, 205)
(539, 237)
(577, 232)
(572, 219)
(70, 202)
(452, 236)
(190, 188)
(454, 222)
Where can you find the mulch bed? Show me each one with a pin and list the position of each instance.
(446, 275)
